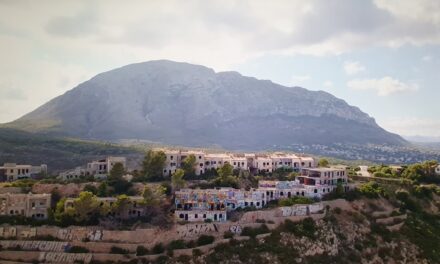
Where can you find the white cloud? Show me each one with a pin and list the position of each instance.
(328, 84)
(73, 40)
(412, 126)
(426, 58)
(384, 86)
(353, 67)
(299, 79)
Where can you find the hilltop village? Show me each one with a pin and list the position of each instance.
(183, 204)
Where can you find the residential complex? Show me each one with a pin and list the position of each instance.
(28, 205)
(199, 205)
(247, 161)
(13, 171)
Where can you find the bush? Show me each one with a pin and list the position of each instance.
(118, 250)
(158, 249)
(306, 227)
(141, 251)
(196, 252)
(228, 234)
(176, 244)
(295, 200)
(253, 232)
(205, 240)
(78, 249)
(372, 190)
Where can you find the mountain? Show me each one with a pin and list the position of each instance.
(184, 104)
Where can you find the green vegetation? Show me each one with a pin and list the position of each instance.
(306, 227)
(78, 249)
(371, 190)
(177, 181)
(188, 165)
(118, 250)
(57, 153)
(253, 232)
(294, 200)
(419, 172)
(205, 240)
(323, 162)
(153, 164)
(141, 251)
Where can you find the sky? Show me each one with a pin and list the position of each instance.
(382, 56)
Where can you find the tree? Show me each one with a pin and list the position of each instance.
(177, 180)
(116, 172)
(85, 207)
(153, 195)
(122, 203)
(323, 163)
(225, 171)
(188, 165)
(102, 190)
(153, 165)
(90, 188)
(115, 179)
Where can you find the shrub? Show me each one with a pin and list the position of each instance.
(158, 248)
(371, 190)
(295, 200)
(176, 244)
(141, 251)
(196, 252)
(253, 232)
(337, 210)
(118, 250)
(306, 227)
(228, 234)
(205, 240)
(78, 249)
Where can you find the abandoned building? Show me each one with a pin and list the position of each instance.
(27, 205)
(13, 171)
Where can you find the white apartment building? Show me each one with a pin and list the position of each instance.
(258, 162)
(200, 205)
(263, 164)
(13, 171)
(100, 168)
(217, 160)
(27, 205)
(73, 174)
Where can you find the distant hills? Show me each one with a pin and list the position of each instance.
(191, 105)
(58, 153)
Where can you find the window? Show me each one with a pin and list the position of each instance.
(171, 157)
(315, 191)
(200, 157)
(181, 216)
(196, 216)
(204, 215)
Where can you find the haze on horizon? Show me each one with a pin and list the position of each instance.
(382, 56)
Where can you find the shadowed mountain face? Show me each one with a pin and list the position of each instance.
(184, 104)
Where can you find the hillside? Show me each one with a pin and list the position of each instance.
(183, 104)
(58, 153)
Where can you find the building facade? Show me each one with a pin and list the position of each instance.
(200, 205)
(13, 171)
(249, 161)
(101, 168)
(27, 205)
(73, 174)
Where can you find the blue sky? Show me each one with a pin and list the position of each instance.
(380, 55)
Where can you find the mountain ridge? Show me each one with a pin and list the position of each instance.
(181, 103)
